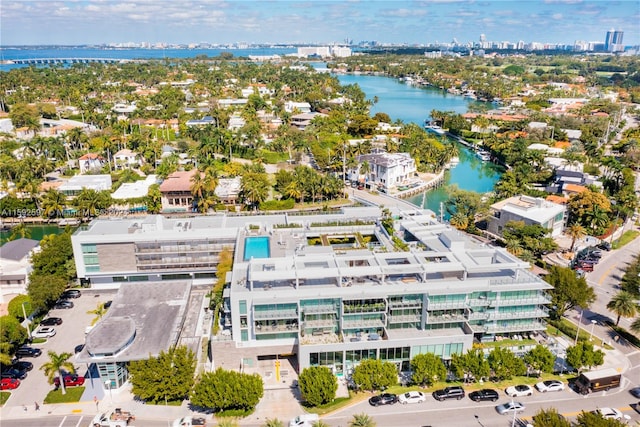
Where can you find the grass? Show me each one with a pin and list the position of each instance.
(627, 237)
(506, 343)
(4, 396)
(568, 329)
(73, 395)
(338, 403)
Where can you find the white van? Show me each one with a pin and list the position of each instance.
(304, 420)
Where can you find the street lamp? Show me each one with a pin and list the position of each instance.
(26, 320)
(575, 342)
(593, 323)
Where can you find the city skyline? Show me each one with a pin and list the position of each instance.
(25, 22)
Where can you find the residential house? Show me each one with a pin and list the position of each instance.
(228, 190)
(299, 107)
(127, 159)
(205, 121)
(77, 183)
(176, 192)
(530, 210)
(91, 162)
(386, 170)
(15, 266)
(301, 121)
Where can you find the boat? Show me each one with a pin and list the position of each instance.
(430, 127)
(453, 162)
(483, 155)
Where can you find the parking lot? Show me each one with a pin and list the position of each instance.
(68, 335)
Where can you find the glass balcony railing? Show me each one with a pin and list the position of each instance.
(275, 314)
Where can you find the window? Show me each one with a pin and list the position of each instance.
(242, 306)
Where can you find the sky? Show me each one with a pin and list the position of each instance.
(74, 22)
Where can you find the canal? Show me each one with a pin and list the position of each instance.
(36, 232)
(414, 104)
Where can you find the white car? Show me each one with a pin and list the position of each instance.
(44, 332)
(510, 407)
(550, 385)
(609, 413)
(519, 390)
(411, 397)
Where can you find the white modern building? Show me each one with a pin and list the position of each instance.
(77, 183)
(386, 170)
(326, 290)
(530, 210)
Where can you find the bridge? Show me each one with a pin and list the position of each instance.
(41, 61)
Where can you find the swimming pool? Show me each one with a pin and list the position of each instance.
(256, 247)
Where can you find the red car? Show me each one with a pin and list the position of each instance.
(9, 384)
(69, 381)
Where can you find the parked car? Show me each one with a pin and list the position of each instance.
(63, 305)
(605, 246)
(107, 304)
(71, 293)
(22, 365)
(519, 390)
(69, 381)
(9, 384)
(51, 321)
(635, 392)
(28, 352)
(16, 374)
(78, 348)
(550, 385)
(510, 407)
(609, 413)
(449, 393)
(593, 252)
(484, 395)
(383, 399)
(44, 332)
(411, 397)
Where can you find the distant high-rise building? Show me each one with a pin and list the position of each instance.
(483, 38)
(613, 41)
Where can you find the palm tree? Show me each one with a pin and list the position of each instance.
(362, 420)
(55, 365)
(623, 304)
(273, 422)
(53, 203)
(575, 231)
(99, 312)
(597, 217)
(459, 221)
(20, 231)
(635, 326)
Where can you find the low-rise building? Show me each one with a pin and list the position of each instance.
(77, 183)
(15, 266)
(530, 210)
(386, 170)
(91, 162)
(126, 159)
(176, 192)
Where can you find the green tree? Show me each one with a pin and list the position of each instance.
(471, 365)
(465, 204)
(20, 231)
(540, 358)
(623, 304)
(23, 115)
(12, 334)
(318, 385)
(90, 202)
(575, 231)
(168, 377)
(504, 364)
(15, 307)
(373, 374)
(583, 355)
(222, 390)
(44, 291)
(53, 203)
(590, 419)
(362, 420)
(549, 418)
(568, 290)
(153, 200)
(55, 365)
(427, 369)
(255, 188)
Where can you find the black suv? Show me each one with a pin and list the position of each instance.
(484, 395)
(70, 293)
(449, 393)
(51, 321)
(9, 372)
(28, 352)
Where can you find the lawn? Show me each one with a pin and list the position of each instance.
(73, 394)
(627, 237)
(4, 396)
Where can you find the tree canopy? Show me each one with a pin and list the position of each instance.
(222, 390)
(569, 291)
(373, 374)
(317, 385)
(427, 368)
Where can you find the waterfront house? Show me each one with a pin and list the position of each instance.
(530, 210)
(77, 183)
(386, 170)
(301, 121)
(297, 107)
(15, 266)
(228, 190)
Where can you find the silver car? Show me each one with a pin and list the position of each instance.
(510, 407)
(43, 332)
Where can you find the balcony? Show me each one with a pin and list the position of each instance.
(498, 315)
(406, 304)
(480, 302)
(405, 318)
(446, 305)
(520, 327)
(540, 299)
(270, 329)
(319, 309)
(478, 315)
(319, 323)
(446, 318)
(362, 323)
(275, 314)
